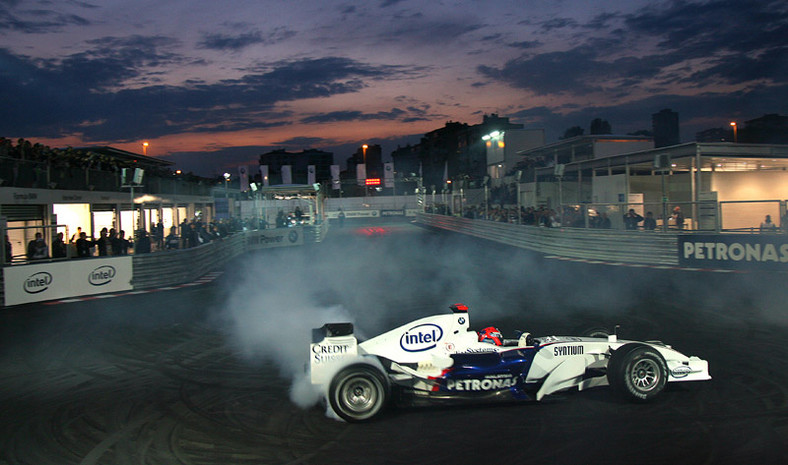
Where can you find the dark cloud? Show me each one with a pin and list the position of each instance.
(576, 71)
(558, 23)
(730, 43)
(527, 44)
(737, 41)
(410, 114)
(351, 115)
(217, 41)
(36, 21)
(304, 142)
(388, 3)
(420, 32)
(77, 94)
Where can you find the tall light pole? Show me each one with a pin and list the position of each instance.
(145, 148)
(226, 194)
(366, 173)
(735, 135)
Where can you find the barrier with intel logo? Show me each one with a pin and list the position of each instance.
(48, 281)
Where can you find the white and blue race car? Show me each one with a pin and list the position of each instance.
(438, 358)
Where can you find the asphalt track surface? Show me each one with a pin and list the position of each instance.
(202, 375)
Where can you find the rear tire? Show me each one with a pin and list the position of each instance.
(358, 393)
(637, 371)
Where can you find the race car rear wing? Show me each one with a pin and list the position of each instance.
(331, 330)
(333, 345)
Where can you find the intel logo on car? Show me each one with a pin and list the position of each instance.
(38, 282)
(681, 371)
(420, 338)
(101, 275)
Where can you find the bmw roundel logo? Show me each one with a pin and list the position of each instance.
(461, 320)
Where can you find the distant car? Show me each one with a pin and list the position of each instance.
(438, 358)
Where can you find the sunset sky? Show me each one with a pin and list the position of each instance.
(212, 84)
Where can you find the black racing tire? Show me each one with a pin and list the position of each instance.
(358, 393)
(637, 371)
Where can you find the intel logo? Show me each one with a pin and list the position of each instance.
(38, 282)
(420, 338)
(681, 371)
(101, 275)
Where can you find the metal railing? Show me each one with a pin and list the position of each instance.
(653, 248)
(15, 172)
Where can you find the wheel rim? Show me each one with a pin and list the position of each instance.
(359, 395)
(645, 375)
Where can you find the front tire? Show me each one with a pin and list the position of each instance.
(637, 371)
(358, 393)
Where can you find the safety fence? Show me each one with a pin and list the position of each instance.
(50, 279)
(641, 247)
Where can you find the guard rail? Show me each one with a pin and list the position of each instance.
(640, 247)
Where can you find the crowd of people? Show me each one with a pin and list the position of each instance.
(574, 217)
(188, 234)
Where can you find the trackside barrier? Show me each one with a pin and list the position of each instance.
(640, 247)
(145, 271)
(181, 266)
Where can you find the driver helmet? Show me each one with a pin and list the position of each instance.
(491, 335)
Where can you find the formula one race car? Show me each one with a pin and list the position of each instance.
(438, 358)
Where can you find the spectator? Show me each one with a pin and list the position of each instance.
(9, 255)
(59, 247)
(159, 235)
(113, 235)
(119, 244)
(678, 217)
(649, 224)
(75, 237)
(631, 220)
(142, 244)
(192, 236)
(172, 242)
(37, 248)
(84, 245)
(103, 243)
(767, 225)
(604, 221)
(184, 233)
(124, 243)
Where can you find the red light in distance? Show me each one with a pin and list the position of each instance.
(373, 181)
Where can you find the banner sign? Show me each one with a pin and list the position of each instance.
(333, 215)
(734, 251)
(244, 175)
(388, 174)
(287, 174)
(335, 183)
(57, 280)
(280, 237)
(385, 213)
(355, 214)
